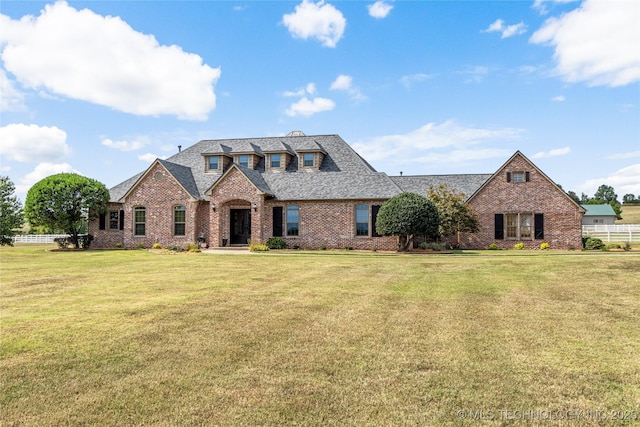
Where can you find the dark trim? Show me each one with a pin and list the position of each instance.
(538, 226)
(508, 176)
(122, 220)
(374, 218)
(102, 221)
(277, 221)
(499, 227)
(527, 176)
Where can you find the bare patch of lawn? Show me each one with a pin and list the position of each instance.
(132, 337)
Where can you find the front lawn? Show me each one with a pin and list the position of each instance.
(325, 338)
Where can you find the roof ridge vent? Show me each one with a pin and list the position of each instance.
(296, 133)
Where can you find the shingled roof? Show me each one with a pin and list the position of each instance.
(343, 174)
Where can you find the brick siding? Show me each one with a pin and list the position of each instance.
(562, 217)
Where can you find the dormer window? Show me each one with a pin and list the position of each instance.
(308, 160)
(275, 160)
(243, 160)
(213, 162)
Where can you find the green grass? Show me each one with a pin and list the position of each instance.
(630, 214)
(324, 338)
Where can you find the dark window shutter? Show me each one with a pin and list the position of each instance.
(121, 220)
(526, 176)
(508, 176)
(103, 221)
(374, 218)
(277, 221)
(499, 226)
(538, 226)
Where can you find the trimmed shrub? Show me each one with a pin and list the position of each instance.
(156, 246)
(431, 246)
(544, 245)
(493, 247)
(519, 246)
(193, 247)
(276, 243)
(593, 244)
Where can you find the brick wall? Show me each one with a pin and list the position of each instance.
(158, 192)
(562, 217)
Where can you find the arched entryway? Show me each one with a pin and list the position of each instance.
(240, 226)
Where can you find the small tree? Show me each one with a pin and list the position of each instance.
(455, 215)
(406, 215)
(11, 214)
(65, 201)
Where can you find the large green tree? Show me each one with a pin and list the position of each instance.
(64, 201)
(11, 214)
(456, 216)
(406, 215)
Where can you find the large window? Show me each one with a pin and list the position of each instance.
(275, 160)
(139, 221)
(362, 220)
(518, 226)
(179, 220)
(293, 221)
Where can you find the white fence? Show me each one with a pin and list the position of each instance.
(613, 233)
(37, 238)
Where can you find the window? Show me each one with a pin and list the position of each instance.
(362, 220)
(114, 219)
(213, 162)
(519, 226)
(139, 221)
(293, 215)
(307, 160)
(275, 160)
(598, 221)
(243, 160)
(518, 177)
(179, 220)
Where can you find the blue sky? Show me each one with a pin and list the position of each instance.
(103, 88)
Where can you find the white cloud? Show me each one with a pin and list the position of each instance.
(33, 143)
(307, 108)
(409, 80)
(552, 153)
(342, 82)
(345, 83)
(123, 145)
(379, 9)
(101, 59)
(623, 181)
(437, 144)
(309, 89)
(316, 20)
(150, 157)
(506, 30)
(558, 98)
(42, 171)
(12, 99)
(541, 5)
(597, 43)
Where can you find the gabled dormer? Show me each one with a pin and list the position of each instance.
(277, 157)
(310, 156)
(217, 159)
(247, 155)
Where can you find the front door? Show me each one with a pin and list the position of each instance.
(240, 226)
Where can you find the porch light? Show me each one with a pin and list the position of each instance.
(254, 206)
(213, 206)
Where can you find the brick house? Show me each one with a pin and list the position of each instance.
(314, 192)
